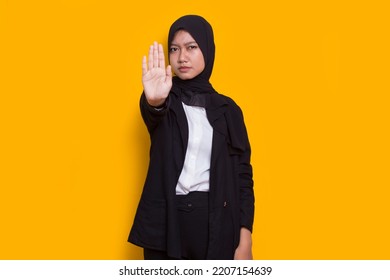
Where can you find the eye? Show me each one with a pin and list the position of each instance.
(173, 49)
(192, 47)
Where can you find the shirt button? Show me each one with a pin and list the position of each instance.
(189, 205)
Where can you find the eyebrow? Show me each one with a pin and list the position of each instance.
(185, 44)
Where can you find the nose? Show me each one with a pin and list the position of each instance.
(182, 56)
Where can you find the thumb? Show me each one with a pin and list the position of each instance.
(168, 73)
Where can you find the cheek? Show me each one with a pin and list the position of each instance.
(199, 57)
(171, 59)
(200, 63)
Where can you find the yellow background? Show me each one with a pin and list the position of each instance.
(312, 78)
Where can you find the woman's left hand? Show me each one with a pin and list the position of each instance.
(244, 249)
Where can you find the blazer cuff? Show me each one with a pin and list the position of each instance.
(160, 110)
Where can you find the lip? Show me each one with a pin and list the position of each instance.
(184, 69)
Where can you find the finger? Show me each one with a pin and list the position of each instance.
(168, 73)
(155, 54)
(150, 58)
(144, 69)
(161, 57)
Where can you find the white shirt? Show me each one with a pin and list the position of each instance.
(195, 175)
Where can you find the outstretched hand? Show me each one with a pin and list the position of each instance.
(156, 79)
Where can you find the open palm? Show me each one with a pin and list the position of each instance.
(156, 79)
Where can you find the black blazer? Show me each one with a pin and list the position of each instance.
(231, 186)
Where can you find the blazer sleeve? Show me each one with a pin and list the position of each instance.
(240, 147)
(247, 198)
(151, 115)
(245, 178)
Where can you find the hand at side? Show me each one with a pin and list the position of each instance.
(244, 249)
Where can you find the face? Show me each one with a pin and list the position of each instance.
(185, 56)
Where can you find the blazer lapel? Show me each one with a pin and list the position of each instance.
(181, 120)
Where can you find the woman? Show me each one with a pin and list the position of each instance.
(198, 200)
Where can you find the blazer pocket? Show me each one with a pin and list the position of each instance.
(153, 214)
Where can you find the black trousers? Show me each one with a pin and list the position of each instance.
(193, 212)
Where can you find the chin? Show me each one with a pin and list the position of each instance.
(185, 77)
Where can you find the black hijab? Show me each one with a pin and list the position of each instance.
(199, 92)
(192, 91)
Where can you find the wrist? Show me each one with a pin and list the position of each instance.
(158, 107)
(156, 103)
(245, 237)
